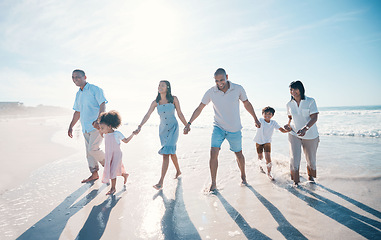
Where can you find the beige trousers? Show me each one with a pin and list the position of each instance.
(94, 154)
(309, 148)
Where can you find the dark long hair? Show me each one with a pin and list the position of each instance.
(298, 85)
(169, 94)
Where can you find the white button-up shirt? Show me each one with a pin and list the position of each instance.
(87, 102)
(301, 116)
(226, 106)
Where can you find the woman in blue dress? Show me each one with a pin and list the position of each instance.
(168, 129)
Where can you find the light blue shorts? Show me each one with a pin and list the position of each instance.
(234, 139)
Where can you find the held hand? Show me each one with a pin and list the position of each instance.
(70, 132)
(302, 132)
(96, 125)
(287, 127)
(257, 123)
(187, 129)
(137, 130)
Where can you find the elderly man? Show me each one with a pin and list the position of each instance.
(89, 104)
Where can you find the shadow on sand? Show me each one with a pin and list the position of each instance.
(366, 227)
(364, 207)
(52, 225)
(285, 227)
(176, 223)
(96, 223)
(250, 233)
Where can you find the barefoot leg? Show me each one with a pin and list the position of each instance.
(125, 176)
(268, 164)
(213, 165)
(112, 189)
(176, 164)
(164, 169)
(241, 165)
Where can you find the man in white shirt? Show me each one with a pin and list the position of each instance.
(227, 122)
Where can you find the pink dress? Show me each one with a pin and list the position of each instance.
(113, 156)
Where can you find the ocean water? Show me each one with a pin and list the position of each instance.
(350, 140)
(346, 197)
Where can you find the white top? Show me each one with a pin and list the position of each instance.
(118, 136)
(265, 132)
(301, 116)
(226, 106)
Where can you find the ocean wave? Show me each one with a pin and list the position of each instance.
(354, 178)
(371, 134)
(375, 113)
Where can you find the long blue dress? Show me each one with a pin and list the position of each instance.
(168, 129)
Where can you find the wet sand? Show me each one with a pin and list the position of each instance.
(53, 204)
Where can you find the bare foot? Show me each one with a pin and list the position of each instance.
(111, 192)
(93, 177)
(177, 175)
(125, 175)
(213, 187)
(158, 186)
(270, 176)
(244, 183)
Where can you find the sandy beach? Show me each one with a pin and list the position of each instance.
(42, 197)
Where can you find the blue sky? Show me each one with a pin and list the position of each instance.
(127, 47)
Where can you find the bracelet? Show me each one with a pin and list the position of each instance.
(307, 127)
(189, 123)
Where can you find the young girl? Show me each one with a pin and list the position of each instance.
(113, 167)
(168, 129)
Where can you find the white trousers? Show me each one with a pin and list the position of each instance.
(94, 154)
(309, 148)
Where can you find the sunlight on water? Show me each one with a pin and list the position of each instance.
(151, 224)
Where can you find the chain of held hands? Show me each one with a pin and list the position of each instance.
(187, 128)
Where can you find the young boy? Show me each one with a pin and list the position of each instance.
(263, 137)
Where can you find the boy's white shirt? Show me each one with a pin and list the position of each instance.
(265, 132)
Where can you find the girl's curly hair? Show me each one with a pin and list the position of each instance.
(111, 118)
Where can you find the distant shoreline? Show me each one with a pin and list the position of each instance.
(40, 110)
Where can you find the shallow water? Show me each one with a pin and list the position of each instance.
(53, 203)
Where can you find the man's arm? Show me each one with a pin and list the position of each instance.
(75, 119)
(250, 109)
(102, 109)
(195, 114)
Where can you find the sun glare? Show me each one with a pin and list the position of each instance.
(155, 27)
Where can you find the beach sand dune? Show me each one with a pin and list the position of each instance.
(52, 203)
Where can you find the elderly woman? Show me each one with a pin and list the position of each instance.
(303, 114)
